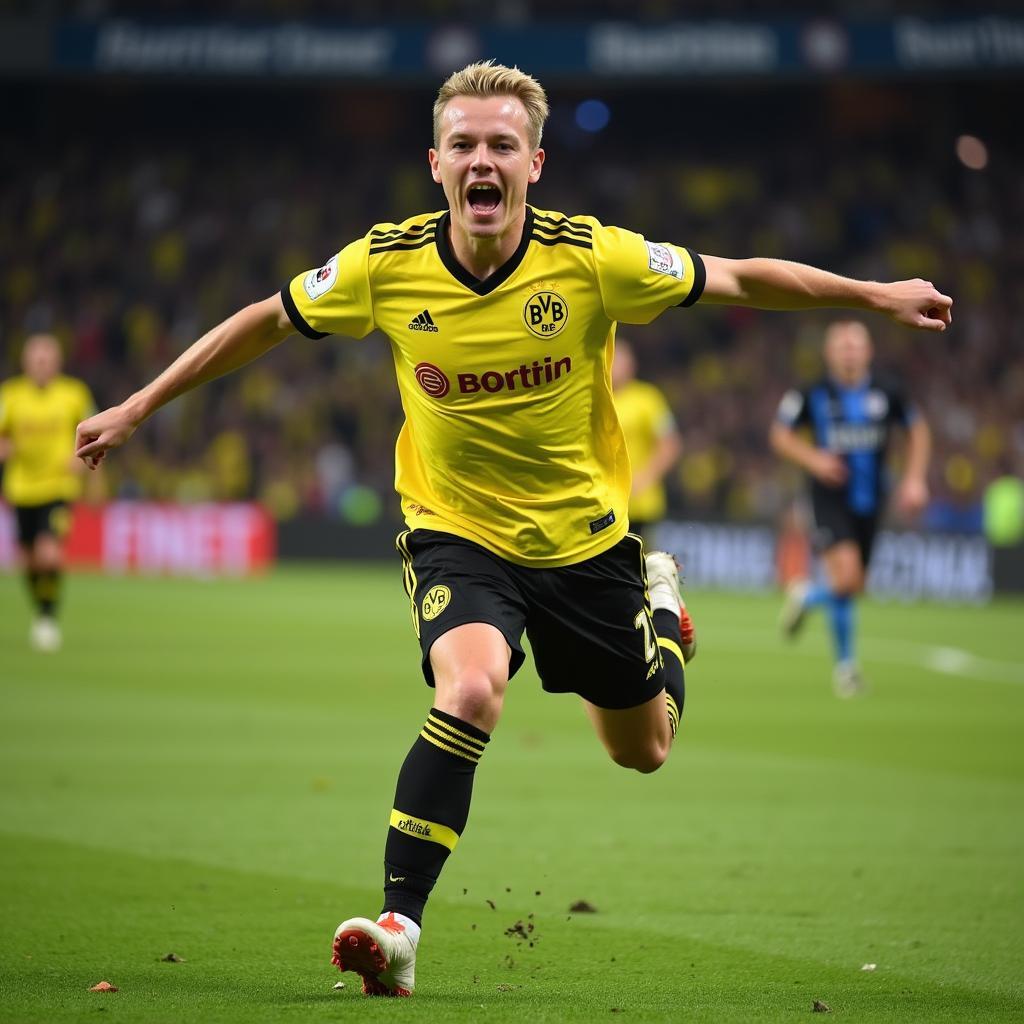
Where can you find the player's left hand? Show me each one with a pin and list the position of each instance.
(918, 304)
(912, 496)
(98, 434)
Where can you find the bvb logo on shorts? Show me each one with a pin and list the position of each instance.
(435, 601)
(59, 521)
(545, 313)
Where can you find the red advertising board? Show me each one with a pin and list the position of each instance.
(148, 537)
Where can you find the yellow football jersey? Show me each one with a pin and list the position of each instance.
(646, 419)
(510, 436)
(41, 422)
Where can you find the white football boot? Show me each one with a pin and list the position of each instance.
(794, 608)
(847, 681)
(45, 634)
(663, 589)
(381, 952)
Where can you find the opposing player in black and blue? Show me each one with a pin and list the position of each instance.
(851, 415)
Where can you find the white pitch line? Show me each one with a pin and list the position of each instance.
(950, 661)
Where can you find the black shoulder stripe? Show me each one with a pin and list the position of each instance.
(564, 224)
(700, 277)
(401, 244)
(297, 319)
(560, 233)
(565, 228)
(564, 240)
(414, 230)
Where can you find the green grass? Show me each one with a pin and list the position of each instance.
(207, 768)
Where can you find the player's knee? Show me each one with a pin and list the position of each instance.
(474, 695)
(644, 759)
(46, 554)
(850, 584)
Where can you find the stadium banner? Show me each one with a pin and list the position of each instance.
(620, 49)
(905, 566)
(231, 539)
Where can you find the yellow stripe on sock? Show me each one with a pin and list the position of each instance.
(458, 733)
(436, 734)
(419, 828)
(673, 648)
(447, 746)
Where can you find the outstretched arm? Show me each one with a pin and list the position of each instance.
(780, 284)
(238, 340)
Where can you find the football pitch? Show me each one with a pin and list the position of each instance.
(207, 769)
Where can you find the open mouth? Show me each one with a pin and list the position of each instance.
(483, 199)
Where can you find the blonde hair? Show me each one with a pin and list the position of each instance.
(489, 79)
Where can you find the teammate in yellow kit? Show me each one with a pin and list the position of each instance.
(652, 438)
(511, 465)
(654, 445)
(38, 414)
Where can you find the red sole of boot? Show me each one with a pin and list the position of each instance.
(356, 951)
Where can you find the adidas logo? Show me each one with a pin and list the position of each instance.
(423, 322)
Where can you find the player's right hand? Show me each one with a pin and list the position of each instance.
(829, 469)
(98, 434)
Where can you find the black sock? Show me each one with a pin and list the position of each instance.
(431, 808)
(32, 580)
(666, 625)
(46, 589)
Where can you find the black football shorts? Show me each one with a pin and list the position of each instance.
(53, 518)
(589, 624)
(835, 522)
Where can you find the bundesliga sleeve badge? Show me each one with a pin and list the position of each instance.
(320, 282)
(663, 259)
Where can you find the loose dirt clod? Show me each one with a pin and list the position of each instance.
(521, 931)
(103, 986)
(582, 907)
(339, 984)
(819, 1007)
(490, 903)
(172, 958)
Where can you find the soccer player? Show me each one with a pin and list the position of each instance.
(511, 465)
(654, 445)
(851, 415)
(652, 438)
(38, 414)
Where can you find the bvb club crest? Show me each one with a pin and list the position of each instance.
(435, 601)
(545, 313)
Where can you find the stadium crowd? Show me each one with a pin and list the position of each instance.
(131, 245)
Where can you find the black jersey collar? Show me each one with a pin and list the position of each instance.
(463, 276)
